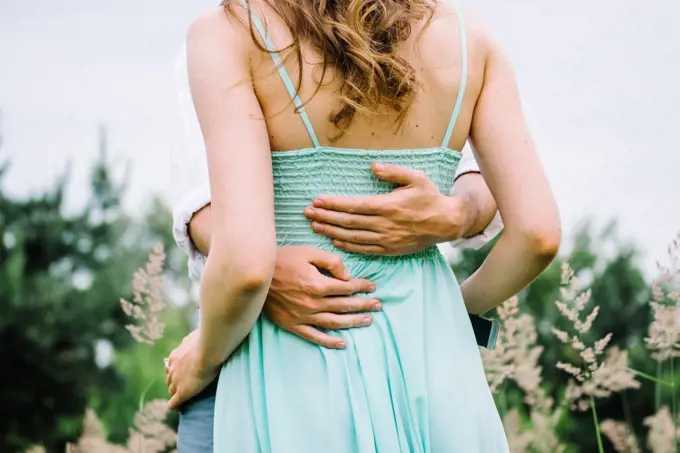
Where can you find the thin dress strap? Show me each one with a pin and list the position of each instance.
(287, 81)
(463, 80)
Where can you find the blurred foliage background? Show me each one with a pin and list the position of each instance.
(63, 342)
(64, 346)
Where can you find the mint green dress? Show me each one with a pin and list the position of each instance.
(412, 382)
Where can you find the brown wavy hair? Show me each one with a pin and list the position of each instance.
(360, 39)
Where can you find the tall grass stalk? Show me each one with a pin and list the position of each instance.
(649, 377)
(675, 430)
(600, 447)
(657, 388)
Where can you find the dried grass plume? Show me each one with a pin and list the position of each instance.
(593, 377)
(149, 433)
(147, 302)
(620, 436)
(662, 431)
(663, 336)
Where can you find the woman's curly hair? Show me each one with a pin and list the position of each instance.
(361, 39)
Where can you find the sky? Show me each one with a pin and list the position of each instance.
(598, 83)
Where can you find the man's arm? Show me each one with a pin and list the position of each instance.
(477, 200)
(199, 230)
(412, 218)
(300, 297)
(469, 182)
(467, 215)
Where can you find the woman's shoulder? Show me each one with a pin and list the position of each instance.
(479, 35)
(225, 24)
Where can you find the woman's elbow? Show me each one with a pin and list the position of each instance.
(247, 272)
(256, 278)
(545, 242)
(539, 241)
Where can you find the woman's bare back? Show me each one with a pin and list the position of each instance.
(435, 53)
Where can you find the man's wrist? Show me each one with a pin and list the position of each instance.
(460, 216)
(457, 217)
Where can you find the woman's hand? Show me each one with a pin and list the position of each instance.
(187, 375)
(409, 219)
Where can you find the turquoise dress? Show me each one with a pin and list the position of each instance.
(412, 382)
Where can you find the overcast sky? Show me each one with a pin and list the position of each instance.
(598, 80)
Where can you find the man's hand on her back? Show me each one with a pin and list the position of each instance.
(301, 299)
(410, 218)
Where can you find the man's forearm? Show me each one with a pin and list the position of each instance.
(480, 204)
(466, 213)
(200, 230)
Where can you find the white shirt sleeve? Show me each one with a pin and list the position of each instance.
(192, 189)
(468, 164)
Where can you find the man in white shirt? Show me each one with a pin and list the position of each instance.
(303, 299)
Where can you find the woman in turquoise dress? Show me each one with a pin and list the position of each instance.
(305, 98)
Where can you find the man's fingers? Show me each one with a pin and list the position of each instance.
(396, 174)
(359, 248)
(343, 219)
(333, 287)
(369, 205)
(332, 262)
(314, 335)
(343, 234)
(172, 389)
(333, 321)
(350, 304)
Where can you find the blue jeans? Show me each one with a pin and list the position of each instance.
(196, 420)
